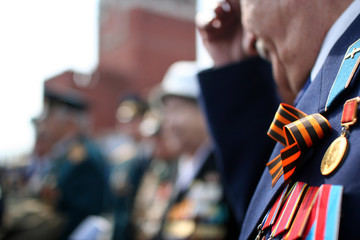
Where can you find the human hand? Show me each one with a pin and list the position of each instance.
(222, 33)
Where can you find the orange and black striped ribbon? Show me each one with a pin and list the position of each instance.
(298, 132)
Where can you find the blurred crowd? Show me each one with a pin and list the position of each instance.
(155, 177)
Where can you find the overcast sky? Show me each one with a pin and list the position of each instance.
(39, 39)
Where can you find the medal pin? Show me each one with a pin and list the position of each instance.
(338, 149)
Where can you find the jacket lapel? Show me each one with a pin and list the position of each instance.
(260, 200)
(315, 97)
(333, 63)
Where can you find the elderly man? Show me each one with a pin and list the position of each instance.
(311, 177)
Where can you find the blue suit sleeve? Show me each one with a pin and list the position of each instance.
(239, 102)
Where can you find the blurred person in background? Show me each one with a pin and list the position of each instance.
(68, 173)
(39, 163)
(76, 185)
(197, 208)
(156, 187)
(129, 161)
(27, 216)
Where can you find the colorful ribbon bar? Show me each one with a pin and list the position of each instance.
(271, 216)
(327, 209)
(298, 226)
(289, 209)
(297, 132)
(349, 115)
(311, 224)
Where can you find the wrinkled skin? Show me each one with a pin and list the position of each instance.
(289, 34)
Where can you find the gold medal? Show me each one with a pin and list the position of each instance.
(334, 155)
(338, 150)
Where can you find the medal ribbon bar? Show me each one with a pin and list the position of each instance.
(275, 209)
(349, 115)
(288, 211)
(324, 218)
(298, 226)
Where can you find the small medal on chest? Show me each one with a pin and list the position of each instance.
(338, 150)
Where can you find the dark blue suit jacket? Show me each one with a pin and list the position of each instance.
(313, 101)
(235, 98)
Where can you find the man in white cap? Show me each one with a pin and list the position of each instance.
(197, 208)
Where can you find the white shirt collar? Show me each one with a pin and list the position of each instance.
(335, 32)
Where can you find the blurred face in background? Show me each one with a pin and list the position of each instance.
(166, 146)
(184, 120)
(131, 128)
(57, 124)
(129, 116)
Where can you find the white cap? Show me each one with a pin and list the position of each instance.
(181, 80)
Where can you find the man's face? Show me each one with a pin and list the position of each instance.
(290, 39)
(184, 120)
(56, 124)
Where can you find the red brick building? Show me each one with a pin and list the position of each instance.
(138, 41)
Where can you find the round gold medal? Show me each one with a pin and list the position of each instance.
(334, 155)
